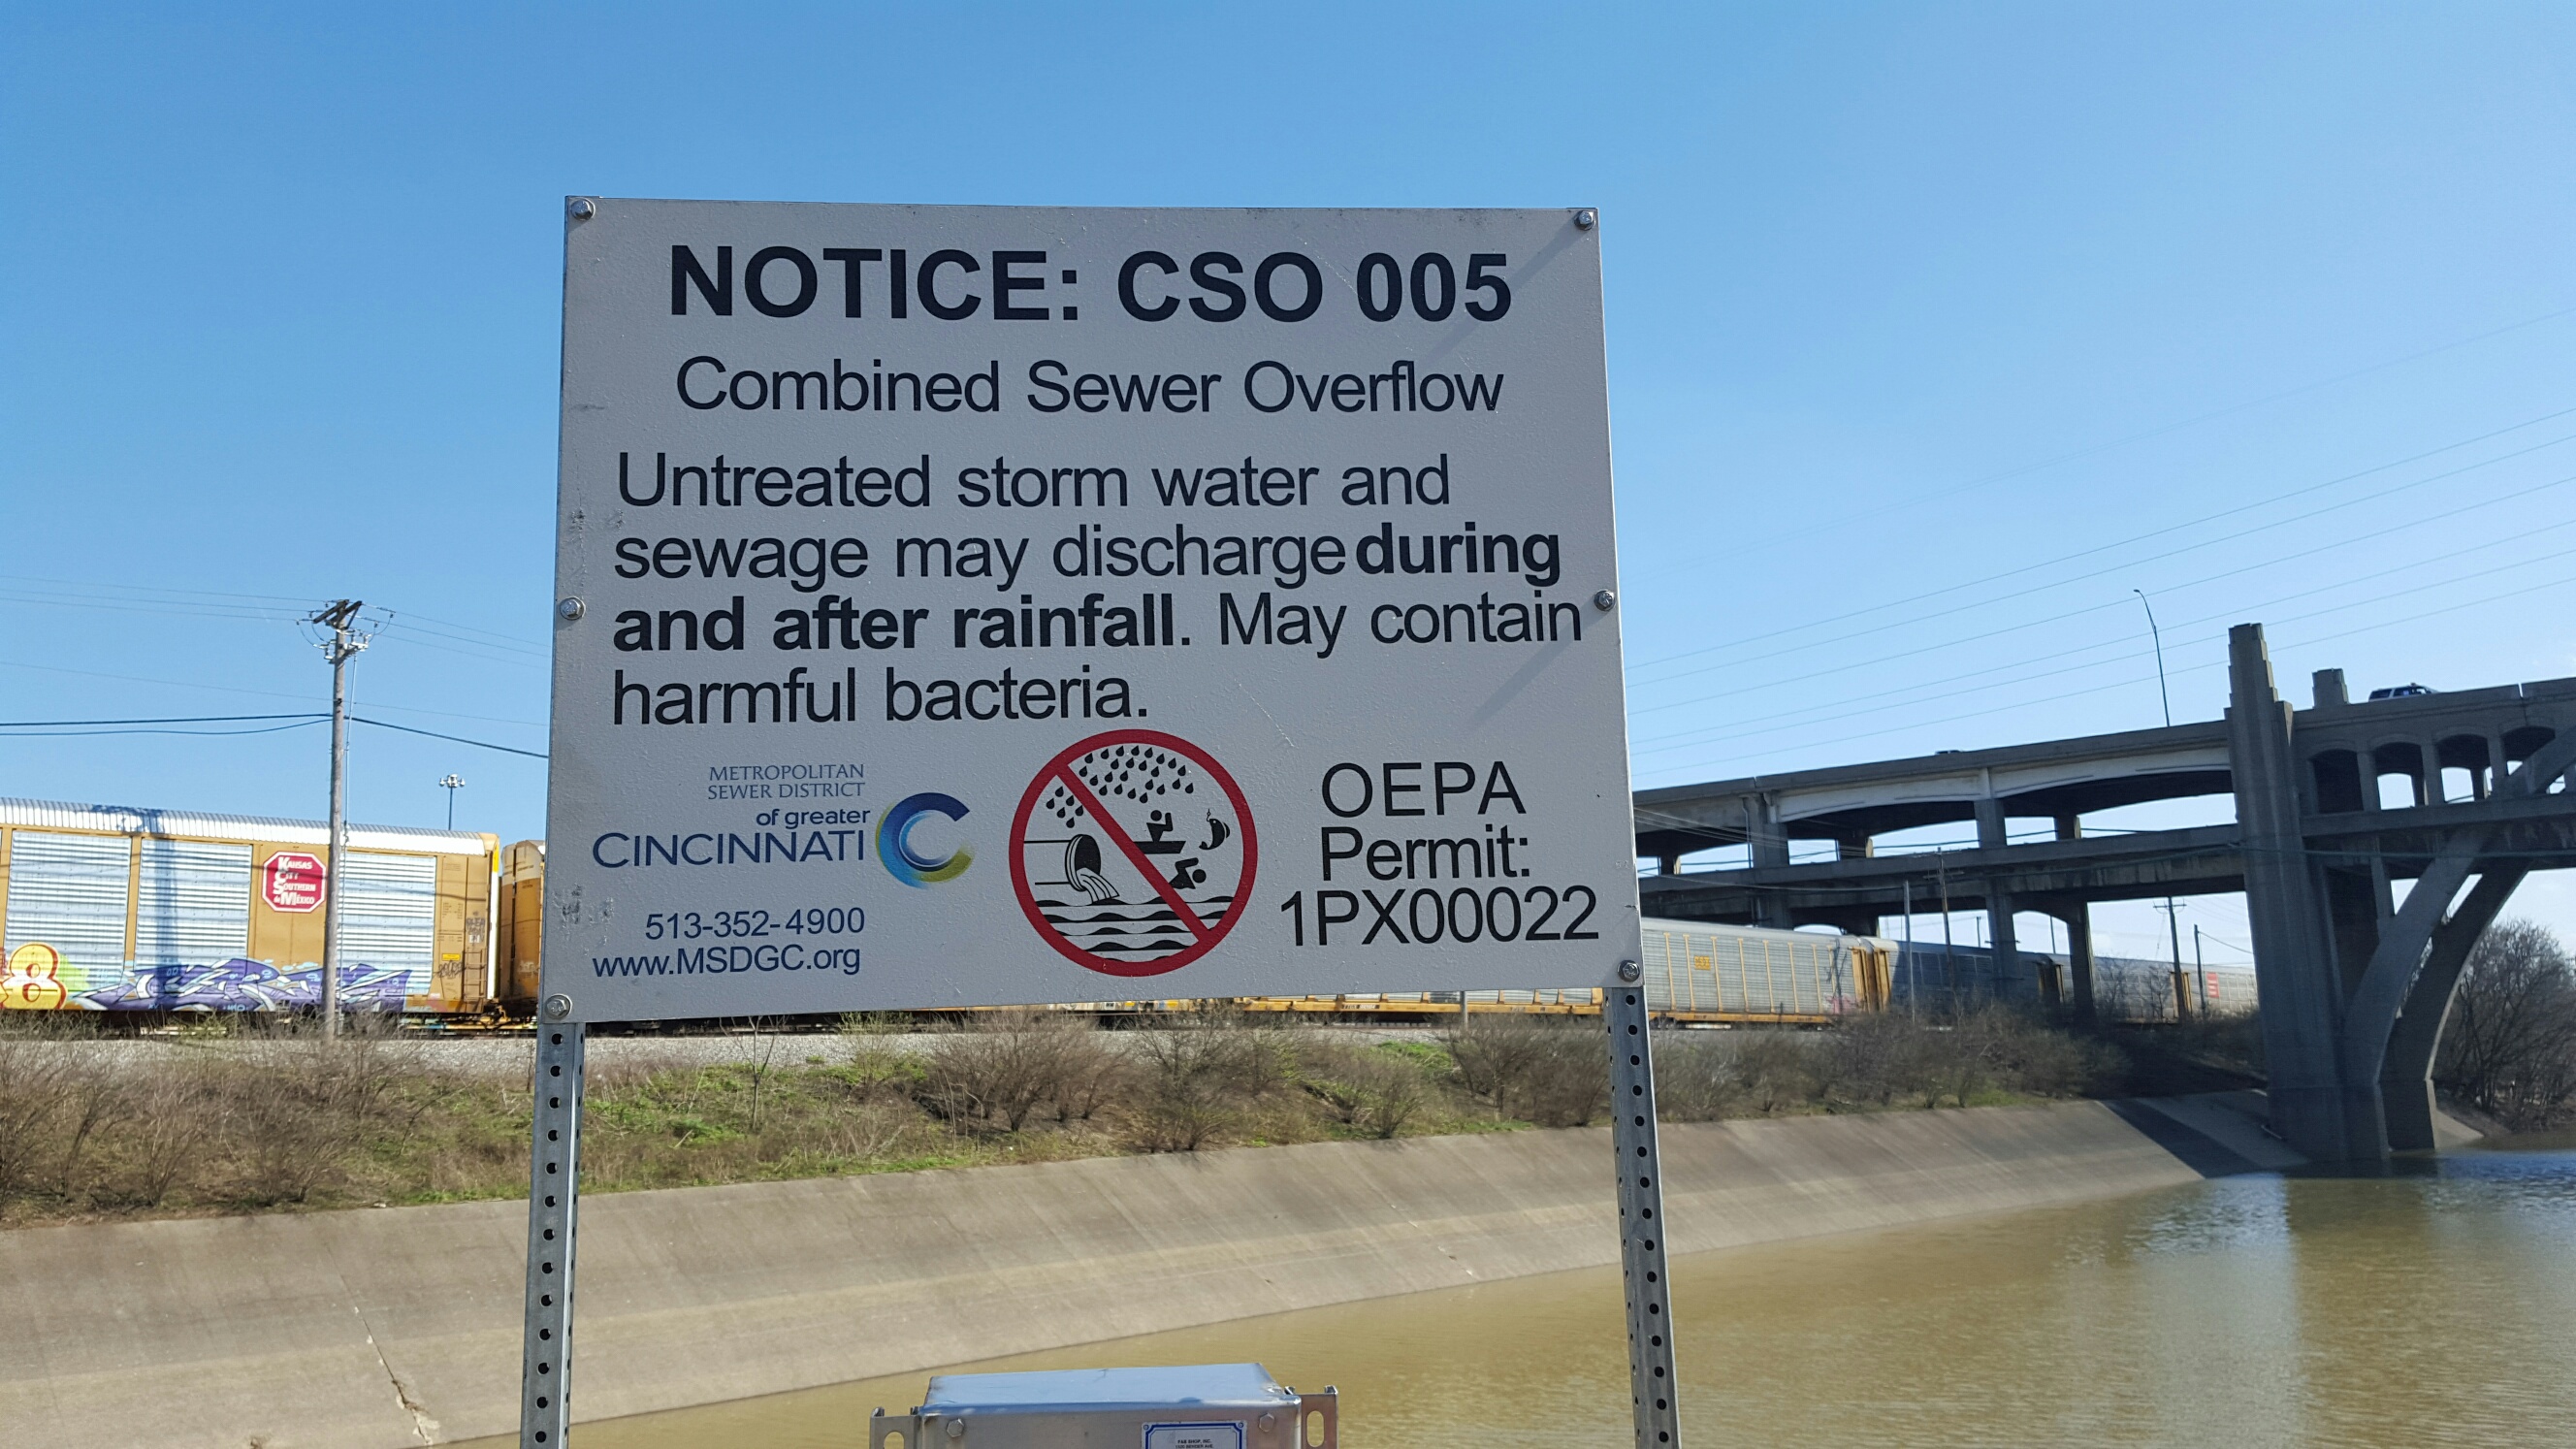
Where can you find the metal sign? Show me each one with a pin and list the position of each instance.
(293, 881)
(975, 606)
(982, 605)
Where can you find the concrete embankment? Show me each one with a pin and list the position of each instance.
(401, 1326)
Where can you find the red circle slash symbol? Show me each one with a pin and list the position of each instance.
(1133, 853)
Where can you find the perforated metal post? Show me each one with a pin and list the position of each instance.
(554, 1177)
(1641, 1218)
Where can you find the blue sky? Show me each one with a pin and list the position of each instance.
(1934, 332)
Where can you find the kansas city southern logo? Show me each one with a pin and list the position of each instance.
(1133, 853)
(894, 841)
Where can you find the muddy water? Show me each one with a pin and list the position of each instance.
(2412, 1311)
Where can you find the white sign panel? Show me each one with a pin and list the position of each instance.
(984, 605)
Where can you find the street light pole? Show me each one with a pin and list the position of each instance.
(2182, 999)
(345, 643)
(2158, 635)
(451, 785)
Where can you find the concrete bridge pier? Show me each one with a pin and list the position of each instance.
(2073, 991)
(2000, 936)
(2078, 918)
(2355, 988)
(2302, 1002)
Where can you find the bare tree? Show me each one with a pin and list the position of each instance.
(759, 1056)
(2509, 1048)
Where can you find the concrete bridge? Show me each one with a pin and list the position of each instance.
(2354, 986)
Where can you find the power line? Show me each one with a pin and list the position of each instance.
(2138, 563)
(460, 639)
(2184, 669)
(193, 734)
(460, 739)
(2152, 533)
(280, 602)
(41, 726)
(1895, 696)
(158, 719)
(256, 693)
(1878, 512)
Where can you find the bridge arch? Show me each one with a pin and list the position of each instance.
(2335, 776)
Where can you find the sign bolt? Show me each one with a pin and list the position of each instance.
(570, 609)
(1605, 601)
(1585, 218)
(558, 1006)
(1628, 971)
(956, 1428)
(582, 208)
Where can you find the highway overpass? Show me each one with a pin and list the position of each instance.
(2354, 987)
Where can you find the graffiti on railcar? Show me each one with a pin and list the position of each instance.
(241, 984)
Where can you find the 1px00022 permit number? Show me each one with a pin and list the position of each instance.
(1427, 916)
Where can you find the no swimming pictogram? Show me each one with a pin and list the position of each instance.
(1133, 853)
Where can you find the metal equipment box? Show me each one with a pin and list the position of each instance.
(1199, 1406)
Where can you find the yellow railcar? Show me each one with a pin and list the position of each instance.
(115, 908)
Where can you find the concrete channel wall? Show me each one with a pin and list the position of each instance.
(384, 1328)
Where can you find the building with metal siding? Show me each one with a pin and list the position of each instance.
(120, 908)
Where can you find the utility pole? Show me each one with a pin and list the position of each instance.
(451, 785)
(1949, 947)
(345, 643)
(2173, 927)
(2199, 970)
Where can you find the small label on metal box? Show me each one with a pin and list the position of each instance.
(1194, 1436)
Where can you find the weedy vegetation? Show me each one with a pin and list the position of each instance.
(239, 1115)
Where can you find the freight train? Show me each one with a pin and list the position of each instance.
(1692, 971)
(111, 908)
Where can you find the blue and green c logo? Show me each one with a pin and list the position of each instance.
(894, 841)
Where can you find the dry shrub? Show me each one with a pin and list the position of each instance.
(1871, 1060)
(298, 1104)
(1197, 1076)
(866, 1130)
(1371, 1091)
(39, 1087)
(1551, 1071)
(58, 1093)
(995, 1071)
(1875, 1060)
(1091, 1079)
(1776, 1071)
(176, 1111)
(1696, 1079)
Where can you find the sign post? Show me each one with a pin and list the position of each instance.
(554, 1184)
(965, 606)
